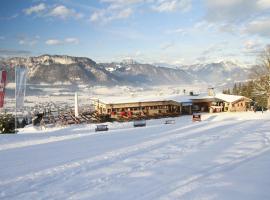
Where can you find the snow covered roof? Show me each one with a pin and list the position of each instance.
(115, 100)
(224, 97)
(177, 98)
(230, 98)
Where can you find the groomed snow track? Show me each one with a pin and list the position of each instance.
(226, 156)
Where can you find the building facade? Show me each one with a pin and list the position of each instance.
(138, 109)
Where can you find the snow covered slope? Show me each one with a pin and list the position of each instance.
(226, 156)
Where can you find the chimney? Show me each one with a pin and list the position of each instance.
(211, 92)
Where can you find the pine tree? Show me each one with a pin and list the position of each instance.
(234, 91)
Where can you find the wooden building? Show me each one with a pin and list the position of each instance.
(220, 103)
(143, 107)
(173, 105)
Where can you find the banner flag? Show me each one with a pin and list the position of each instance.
(21, 76)
(3, 79)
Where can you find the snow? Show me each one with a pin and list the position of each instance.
(225, 97)
(229, 98)
(148, 98)
(166, 97)
(226, 156)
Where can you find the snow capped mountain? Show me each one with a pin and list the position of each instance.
(137, 73)
(219, 73)
(128, 61)
(61, 68)
(56, 68)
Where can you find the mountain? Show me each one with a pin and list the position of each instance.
(81, 70)
(77, 70)
(137, 73)
(52, 69)
(220, 73)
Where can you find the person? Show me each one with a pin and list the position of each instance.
(262, 109)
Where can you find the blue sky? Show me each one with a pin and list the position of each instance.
(150, 31)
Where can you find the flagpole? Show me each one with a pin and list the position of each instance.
(15, 99)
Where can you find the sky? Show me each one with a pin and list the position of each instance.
(176, 32)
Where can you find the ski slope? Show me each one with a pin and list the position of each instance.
(226, 156)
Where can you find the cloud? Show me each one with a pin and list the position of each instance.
(235, 11)
(173, 5)
(177, 31)
(123, 9)
(110, 14)
(59, 11)
(63, 12)
(259, 27)
(28, 41)
(252, 47)
(215, 48)
(124, 13)
(53, 42)
(263, 4)
(13, 52)
(252, 44)
(167, 45)
(9, 17)
(35, 9)
(123, 2)
(229, 10)
(72, 40)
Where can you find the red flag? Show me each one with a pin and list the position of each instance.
(3, 79)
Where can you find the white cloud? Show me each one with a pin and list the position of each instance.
(122, 9)
(259, 27)
(263, 4)
(110, 14)
(167, 45)
(72, 40)
(28, 41)
(123, 2)
(124, 13)
(52, 42)
(252, 47)
(235, 10)
(59, 11)
(35, 9)
(172, 5)
(252, 44)
(177, 31)
(63, 12)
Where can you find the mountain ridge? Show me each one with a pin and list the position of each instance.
(63, 68)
